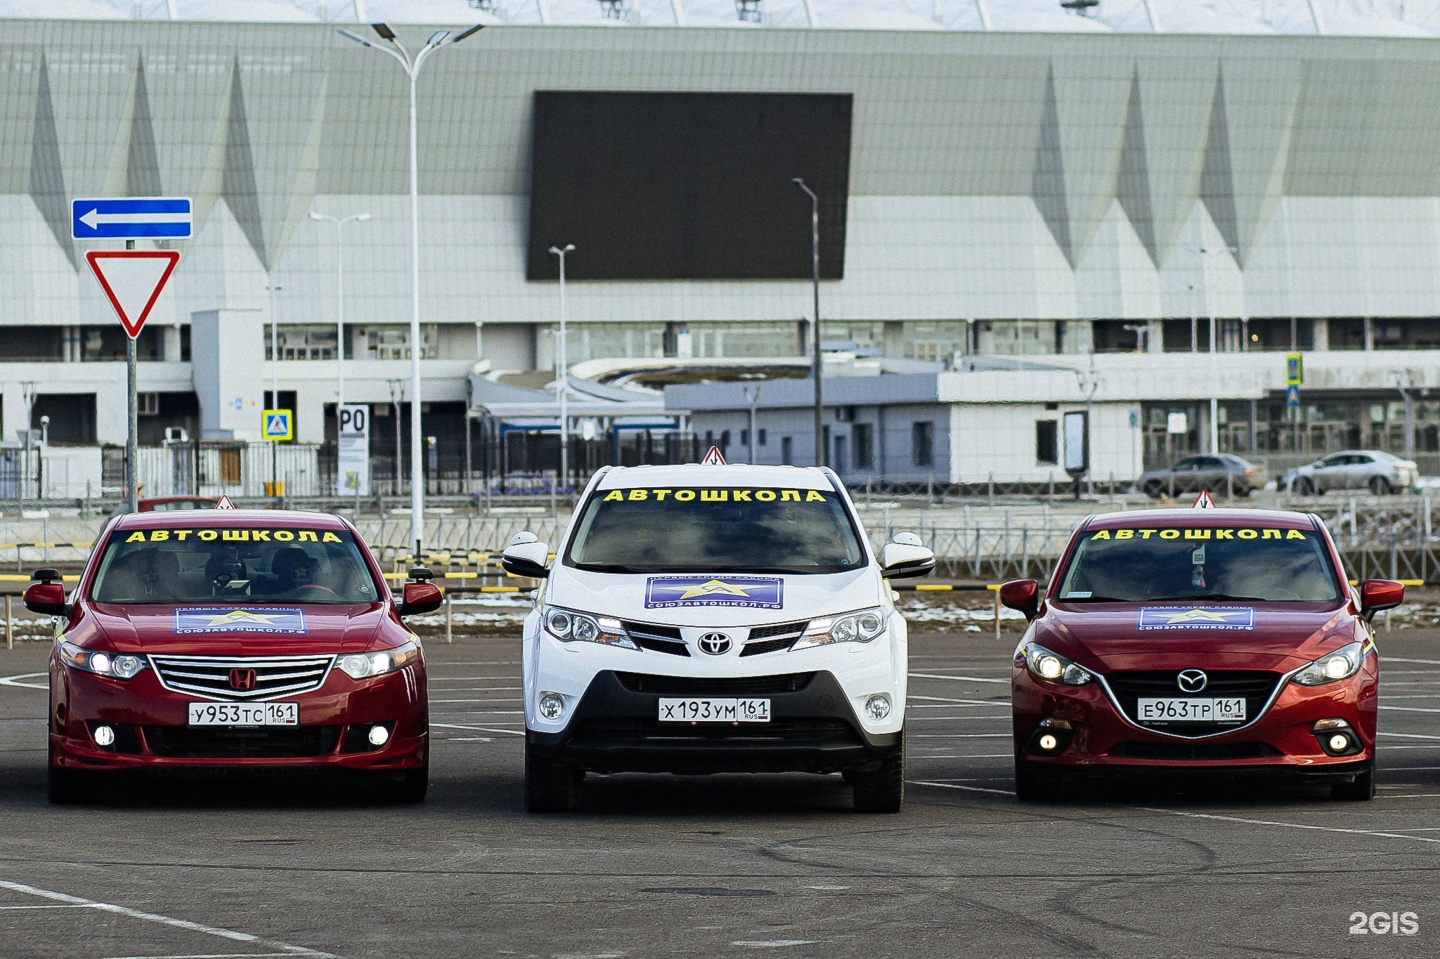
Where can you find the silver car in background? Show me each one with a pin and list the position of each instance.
(1223, 474)
(1373, 470)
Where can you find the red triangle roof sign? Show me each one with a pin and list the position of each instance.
(713, 458)
(224, 502)
(1203, 501)
(132, 281)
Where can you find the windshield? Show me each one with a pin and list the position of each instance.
(1152, 564)
(777, 530)
(200, 565)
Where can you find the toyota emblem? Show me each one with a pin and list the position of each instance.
(716, 644)
(1191, 680)
(242, 680)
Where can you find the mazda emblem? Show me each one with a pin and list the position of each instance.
(1191, 680)
(716, 644)
(242, 680)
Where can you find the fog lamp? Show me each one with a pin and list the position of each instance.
(1339, 742)
(551, 706)
(379, 735)
(104, 736)
(877, 707)
(1048, 742)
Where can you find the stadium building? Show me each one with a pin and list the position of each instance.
(1139, 209)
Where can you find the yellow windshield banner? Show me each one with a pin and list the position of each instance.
(1202, 534)
(234, 536)
(663, 495)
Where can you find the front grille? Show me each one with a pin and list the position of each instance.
(795, 731)
(1254, 685)
(264, 742)
(726, 686)
(1172, 750)
(770, 639)
(210, 676)
(661, 639)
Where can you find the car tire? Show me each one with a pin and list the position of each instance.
(67, 786)
(549, 786)
(881, 790)
(1380, 486)
(411, 787)
(1360, 789)
(1242, 491)
(1154, 489)
(1306, 487)
(1033, 784)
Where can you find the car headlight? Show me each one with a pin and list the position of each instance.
(1052, 667)
(858, 627)
(113, 665)
(570, 626)
(1332, 667)
(366, 665)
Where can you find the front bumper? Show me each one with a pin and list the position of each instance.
(614, 727)
(151, 728)
(1094, 734)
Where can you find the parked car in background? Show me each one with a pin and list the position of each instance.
(1224, 473)
(1375, 470)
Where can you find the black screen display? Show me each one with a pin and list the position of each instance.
(687, 186)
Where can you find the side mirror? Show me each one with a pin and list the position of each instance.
(420, 597)
(1375, 595)
(903, 559)
(527, 558)
(47, 596)
(1022, 595)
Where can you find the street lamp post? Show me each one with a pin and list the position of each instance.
(274, 389)
(1210, 303)
(339, 299)
(821, 453)
(562, 370)
(752, 395)
(411, 66)
(397, 393)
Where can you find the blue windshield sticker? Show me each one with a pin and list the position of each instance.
(671, 592)
(1197, 617)
(209, 619)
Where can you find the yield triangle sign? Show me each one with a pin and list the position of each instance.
(224, 502)
(132, 281)
(713, 458)
(1203, 501)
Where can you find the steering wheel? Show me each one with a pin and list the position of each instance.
(315, 591)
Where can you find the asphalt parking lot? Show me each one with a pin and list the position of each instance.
(725, 865)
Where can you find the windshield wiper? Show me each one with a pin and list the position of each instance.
(1197, 596)
(1093, 599)
(613, 568)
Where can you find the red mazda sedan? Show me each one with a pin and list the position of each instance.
(235, 638)
(1210, 640)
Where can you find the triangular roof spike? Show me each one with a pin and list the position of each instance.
(224, 502)
(713, 458)
(1203, 501)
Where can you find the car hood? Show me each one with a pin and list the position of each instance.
(238, 630)
(729, 599)
(1271, 636)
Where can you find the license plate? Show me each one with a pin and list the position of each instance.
(244, 714)
(1192, 710)
(706, 710)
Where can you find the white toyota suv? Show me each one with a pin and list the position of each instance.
(715, 619)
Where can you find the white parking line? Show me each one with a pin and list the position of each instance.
(478, 729)
(951, 699)
(285, 949)
(966, 679)
(968, 789)
(1286, 825)
(1423, 662)
(1409, 709)
(19, 681)
(1408, 736)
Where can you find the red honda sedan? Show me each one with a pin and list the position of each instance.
(235, 638)
(1205, 639)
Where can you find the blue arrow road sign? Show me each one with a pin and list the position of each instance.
(1292, 397)
(129, 218)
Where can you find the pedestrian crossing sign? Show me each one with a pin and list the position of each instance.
(278, 425)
